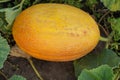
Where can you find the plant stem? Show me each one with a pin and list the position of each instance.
(109, 39)
(4, 1)
(106, 33)
(104, 39)
(103, 16)
(117, 75)
(34, 68)
(3, 75)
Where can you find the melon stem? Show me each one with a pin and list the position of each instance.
(34, 68)
(104, 39)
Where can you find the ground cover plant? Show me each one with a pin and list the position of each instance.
(103, 63)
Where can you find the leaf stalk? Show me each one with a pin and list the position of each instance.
(34, 68)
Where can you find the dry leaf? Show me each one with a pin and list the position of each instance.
(17, 52)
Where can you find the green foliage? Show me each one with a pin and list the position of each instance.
(93, 60)
(7, 16)
(117, 72)
(113, 5)
(28, 3)
(74, 3)
(91, 3)
(17, 77)
(4, 1)
(3, 22)
(103, 72)
(115, 25)
(4, 51)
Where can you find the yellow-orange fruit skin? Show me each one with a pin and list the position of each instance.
(55, 32)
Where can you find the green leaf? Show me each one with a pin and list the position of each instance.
(4, 51)
(103, 72)
(17, 77)
(8, 15)
(3, 22)
(113, 5)
(93, 60)
(91, 3)
(76, 3)
(115, 25)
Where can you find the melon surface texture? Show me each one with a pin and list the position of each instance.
(55, 32)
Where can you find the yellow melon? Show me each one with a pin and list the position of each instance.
(55, 32)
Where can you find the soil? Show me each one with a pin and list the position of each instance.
(48, 70)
